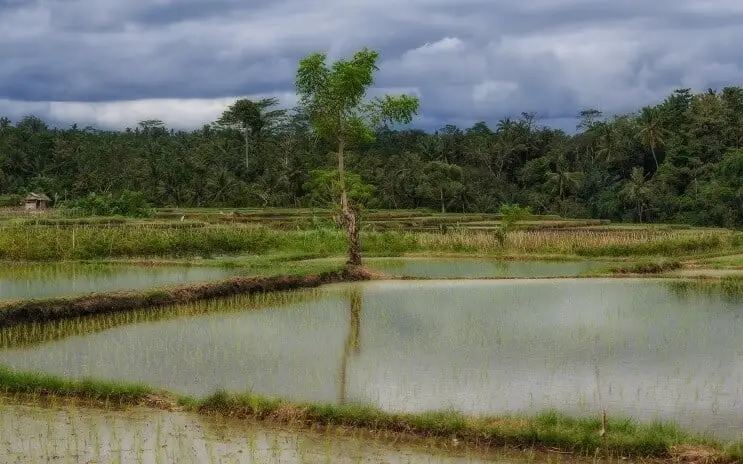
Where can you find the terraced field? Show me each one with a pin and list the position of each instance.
(452, 333)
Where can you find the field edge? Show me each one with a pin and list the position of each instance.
(548, 431)
(43, 310)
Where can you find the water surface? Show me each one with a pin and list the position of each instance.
(66, 434)
(634, 347)
(433, 268)
(55, 280)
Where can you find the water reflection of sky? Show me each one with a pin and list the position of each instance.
(578, 345)
(474, 268)
(45, 281)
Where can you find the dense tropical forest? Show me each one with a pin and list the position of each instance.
(678, 161)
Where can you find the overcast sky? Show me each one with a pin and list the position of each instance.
(112, 63)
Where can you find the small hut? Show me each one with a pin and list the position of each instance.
(36, 201)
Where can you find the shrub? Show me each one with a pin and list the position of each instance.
(127, 204)
(13, 201)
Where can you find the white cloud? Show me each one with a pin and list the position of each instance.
(489, 91)
(176, 113)
(445, 45)
(468, 60)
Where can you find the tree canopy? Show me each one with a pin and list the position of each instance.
(678, 160)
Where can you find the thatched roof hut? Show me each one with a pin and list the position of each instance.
(36, 201)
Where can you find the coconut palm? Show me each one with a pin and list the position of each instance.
(562, 181)
(254, 118)
(651, 133)
(637, 190)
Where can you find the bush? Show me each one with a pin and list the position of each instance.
(127, 204)
(10, 201)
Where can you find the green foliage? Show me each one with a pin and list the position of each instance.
(127, 204)
(10, 201)
(676, 161)
(441, 182)
(255, 119)
(512, 213)
(324, 188)
(335, 98)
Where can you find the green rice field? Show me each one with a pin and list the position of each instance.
(523, 341)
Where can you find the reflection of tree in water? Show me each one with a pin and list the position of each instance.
(353, 342)
(500, 266)
(728, 290)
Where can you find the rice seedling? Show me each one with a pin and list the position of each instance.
(67, 433)
(460, 362)
(36, 333)
(729, 288)
(478, 349)
(24, 311)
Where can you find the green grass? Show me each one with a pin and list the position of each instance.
(729, 261)
(43, 384)
(670, 247)
(643, 266)
(552, 429)
(90, 242)
(730, 288)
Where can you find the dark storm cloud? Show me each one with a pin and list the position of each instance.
(111, 62)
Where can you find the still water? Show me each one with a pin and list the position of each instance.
(145, 436)
(482, 268)
(634, 347)
(55, 280)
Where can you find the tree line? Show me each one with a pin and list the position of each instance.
(680, 160)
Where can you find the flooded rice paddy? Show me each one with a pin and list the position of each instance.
(143, 436)
(54, 280)
(635, 347)
(438, 268)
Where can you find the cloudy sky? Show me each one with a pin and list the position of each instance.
(112, 63)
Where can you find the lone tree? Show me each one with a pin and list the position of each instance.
(335, 98)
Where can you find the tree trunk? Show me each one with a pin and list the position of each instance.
(354, 247)
(441, 197)
(247, 148)
(655, 158)
(349, 216)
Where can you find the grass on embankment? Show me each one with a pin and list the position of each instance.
(640, 267)
(91, 242)
(12, 382)
(26, 311)
(549, 430)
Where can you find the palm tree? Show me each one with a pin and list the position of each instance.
(254, 118)
(432, 148)
(562, 181)
(651, 132)
(637, 190)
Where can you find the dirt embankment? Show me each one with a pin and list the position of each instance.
(26, 311)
